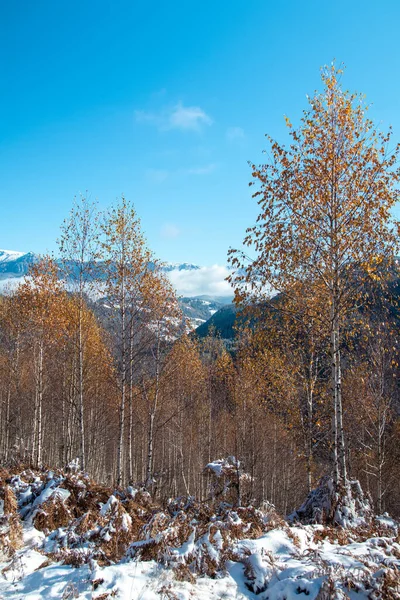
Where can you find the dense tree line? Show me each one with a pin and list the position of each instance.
(186, 402)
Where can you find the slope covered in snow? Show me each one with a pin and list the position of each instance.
(10, 255)
(15, 264)
(81, 540)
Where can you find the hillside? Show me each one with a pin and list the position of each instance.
(63, 536)
(222, 322)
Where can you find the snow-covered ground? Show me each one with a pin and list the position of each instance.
(212, 559)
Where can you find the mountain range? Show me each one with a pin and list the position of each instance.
(198, 309)
(16, 264)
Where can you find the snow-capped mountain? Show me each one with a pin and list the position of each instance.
(204, 289)
(181, 267)
(15, 264)
(7, 255)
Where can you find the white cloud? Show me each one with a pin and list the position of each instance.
(188, 117)
(170, 231)
(235, 133)
(208, 281)
(185, 118)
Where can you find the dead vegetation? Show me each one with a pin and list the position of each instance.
(52, 514)
(200, 538)
(10, 522)
(343, 536)
(84, 521)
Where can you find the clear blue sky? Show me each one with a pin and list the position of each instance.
(166, 102)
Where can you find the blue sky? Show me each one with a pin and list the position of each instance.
(166, 102)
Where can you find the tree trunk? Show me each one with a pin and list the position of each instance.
(81, 386)
(334, 357)
(130, 426)
(39, 407)
(150, 448)
(149, 473)
(342, 446)
(309, 435)
(120, 453)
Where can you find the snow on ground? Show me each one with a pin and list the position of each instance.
(278, 567)
(278, 563)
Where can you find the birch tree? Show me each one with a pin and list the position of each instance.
(325, 222)
(38, 302)
(163, 322)
(374, 394)
(79, 247)
(10, 345)
(129, 266)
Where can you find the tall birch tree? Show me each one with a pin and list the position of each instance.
(129, 264)
(79, 247)
(38, 300)
(325, 222)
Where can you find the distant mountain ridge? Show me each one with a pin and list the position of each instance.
(197, 309)
(16, 264)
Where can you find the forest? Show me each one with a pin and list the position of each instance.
(142, 458)
(310, 385)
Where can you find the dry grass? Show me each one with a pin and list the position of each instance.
(118, 529)
(183, 573)
(343, 536)
(390, 589)
(52, 514)
(327, 591)
(332, 534)
(213, 530)
(11, 534)
(87, 522)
